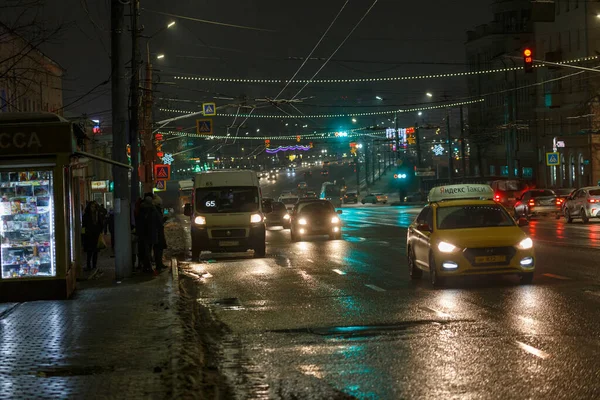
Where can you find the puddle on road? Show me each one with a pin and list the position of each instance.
(230, 303)
(368, 330)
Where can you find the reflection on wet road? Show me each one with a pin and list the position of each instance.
(321, 317)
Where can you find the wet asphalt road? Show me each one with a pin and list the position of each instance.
(320, 317)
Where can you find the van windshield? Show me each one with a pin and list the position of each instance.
(227, 199)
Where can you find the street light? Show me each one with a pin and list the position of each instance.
(378, 98)
(160, 56)
(420, 113)
(429, 94)
(170, 24)
(353, 120)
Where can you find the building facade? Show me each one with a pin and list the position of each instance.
(499, 131)
(567, 106)
(29, 80)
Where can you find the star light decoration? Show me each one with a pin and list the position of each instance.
(168, 159)
(438, 150)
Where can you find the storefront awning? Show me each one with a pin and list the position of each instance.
(103, 159)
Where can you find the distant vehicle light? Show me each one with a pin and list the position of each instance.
(286, 216)
(335, 220)
(302, 221)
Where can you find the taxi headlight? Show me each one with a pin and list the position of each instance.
(200, 220)
(302, 221)
(256, 218)
(446, 247)
(335, 220)
(525, 244)
(286, 216)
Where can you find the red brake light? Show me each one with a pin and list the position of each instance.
(559, 202)
(532, 202)
(593, 201)
(497, 197)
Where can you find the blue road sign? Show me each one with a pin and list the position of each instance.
(552, 159)
(209, 109)
(160, 185)
(204, 126)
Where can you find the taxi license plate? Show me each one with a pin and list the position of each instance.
(229, 243)
(511, 198)
(489, 259)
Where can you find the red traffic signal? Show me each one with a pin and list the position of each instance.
(528, 60)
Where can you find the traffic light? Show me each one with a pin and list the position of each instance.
(400, 175)
(528, 60)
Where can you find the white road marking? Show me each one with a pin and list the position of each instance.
(438, 312)
(564, 278)
(532, 350)
(309, 260)
(376, 288)
(338, 271)
(593, 293)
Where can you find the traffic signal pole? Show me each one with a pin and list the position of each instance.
(134, 90)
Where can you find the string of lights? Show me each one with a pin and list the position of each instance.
(311, 136)
(382, 79)
(446, 105)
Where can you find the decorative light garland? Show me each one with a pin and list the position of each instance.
(287, 148)
(312, 136)
(462, 103)
(359, 80)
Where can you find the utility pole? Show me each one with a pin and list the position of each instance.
(449, 139)
(134, 113)
(462, 143)
(373, 162)
(397, 135)
(123, 265)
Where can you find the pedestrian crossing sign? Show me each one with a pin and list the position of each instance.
(204, 126)
(552, 159)
(162, 172)
(209, 109)
(160, 186)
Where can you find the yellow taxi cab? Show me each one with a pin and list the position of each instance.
(462, 231)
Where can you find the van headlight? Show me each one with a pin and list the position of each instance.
(256, 218)
(286, 216)
(335, 220)
(446, 247)
(525, 244)
(302, 221)
(200, 220)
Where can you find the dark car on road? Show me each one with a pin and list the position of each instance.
(279, 216)
(537, 202)
(351, 198)
(315, 217)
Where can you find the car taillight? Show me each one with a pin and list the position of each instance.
(559, 202)
(532, 202)
(497, 197)
(593, 201)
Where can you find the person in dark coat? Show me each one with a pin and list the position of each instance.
(93, 226)
(110, 223)
(148, 225)
(162, 242)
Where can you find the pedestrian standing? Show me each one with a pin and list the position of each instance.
(92, 225)
(110, 223)
(147, 228)
(162, 243)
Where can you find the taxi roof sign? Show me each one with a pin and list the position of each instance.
(461, 192)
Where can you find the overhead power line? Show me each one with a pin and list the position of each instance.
(336, 50)
(205, 21)
(313, 49)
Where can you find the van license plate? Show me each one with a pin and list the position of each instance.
(489, 259)
(229, 243)
(511, 198)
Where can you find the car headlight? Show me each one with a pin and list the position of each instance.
(286, 216)
(302, 221)
(446, 247)
(200, 220)
(256, 218)
(525, 244)
(335, 220)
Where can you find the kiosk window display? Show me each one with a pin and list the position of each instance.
(27, 224)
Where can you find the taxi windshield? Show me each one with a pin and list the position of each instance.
(473, 216)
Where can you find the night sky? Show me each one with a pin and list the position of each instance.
(390, 40)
